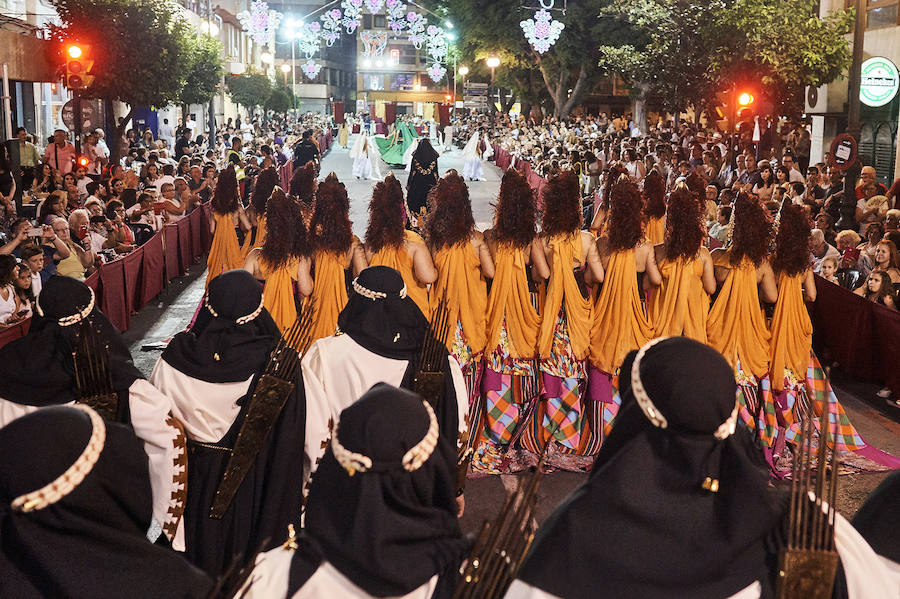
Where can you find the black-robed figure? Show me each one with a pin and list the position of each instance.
(423, 176)
(211, 372)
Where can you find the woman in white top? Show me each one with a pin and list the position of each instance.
(9, 300)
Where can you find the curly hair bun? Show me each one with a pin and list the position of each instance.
(562, 204)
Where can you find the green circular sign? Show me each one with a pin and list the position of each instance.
(879, 83)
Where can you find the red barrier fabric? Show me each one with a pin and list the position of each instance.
(390, 113)
(185, 256)
(93, 282)
(171, 251)
(284, 174)
(380, 129)
(338, 110)
(207, 234)
(152, 278)
(356, 128)
(112, 290)
(13, 332)
(131, 265)
(197, 232)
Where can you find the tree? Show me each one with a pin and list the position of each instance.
(204, 70)
(566, 72)
(249, 90)
(140, 49)
(279, 101)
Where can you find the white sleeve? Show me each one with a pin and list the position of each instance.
(318, 413)
(462, 399)
(270, 576)
(523, 590)
(166, 448)
(867, 573)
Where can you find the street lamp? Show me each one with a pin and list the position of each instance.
(493, 62)
(285, 67)
(463, 70)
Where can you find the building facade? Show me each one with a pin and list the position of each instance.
(828, 107)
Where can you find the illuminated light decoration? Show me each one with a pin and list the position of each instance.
(351, 18)
(260, 22)
(374, 6)
(436, 72)
(396, 15)
(542, 31)
(374, 43)
(416, 25)
(331, 26)
(311, 69)
(83, 161)
(436, 43)
(308, 41)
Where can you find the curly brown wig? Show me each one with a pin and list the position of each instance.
(684, 224)
(792, 241)
(262, 189)
(562, 204)
(330, 228)
(286, 235)
(303, 183)
(387, 215)
(626, 221)
(696, 183)
(225, 196)
(612, 175)
(654, 195)
(751, 231)
(450, 221)
(516, 211)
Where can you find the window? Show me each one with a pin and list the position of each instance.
(882, 13)
(378, 22)
(402, 82)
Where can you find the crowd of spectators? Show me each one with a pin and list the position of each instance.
(79, 210)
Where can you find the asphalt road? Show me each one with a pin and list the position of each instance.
(878, 423)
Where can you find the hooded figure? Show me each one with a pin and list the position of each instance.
(211, 372)
(423, 176)
(381, 517)
(87, 539)
(364, 165)
(678, 502)
(476, 150)
(38, 371)
(380, 339)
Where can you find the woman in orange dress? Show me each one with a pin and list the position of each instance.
(335, 251)
(655, 207)
(266, 181)
(563, 416)
(799, 388)
(510, 383)
(681, 304)
(463, 263)
(227, 214)
(303, 188)
(620, 320)
(283, 261)
(389, 244)
(736, 326)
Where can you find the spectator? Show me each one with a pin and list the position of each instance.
(54, 206)
(183, 145)
(97, 157)
(866, 176)
(829, 268)
(120, 235)
(887, 260)
(9, 299)
(794, 176)
(45, 181)
(60, 154)
(765, 186)
(819, 249)
(306, 151)
(846, 243)
(78, 241)
(29, 158)
(33, 258)
(719, 230)
(23, 285)
(167, 134)
(877, 288)
(825, 223)
(892, 220)
(173, 207)
(7, 193)
(870, 207)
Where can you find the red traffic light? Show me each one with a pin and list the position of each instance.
(745, 99)
(74, 51)
(83, 161)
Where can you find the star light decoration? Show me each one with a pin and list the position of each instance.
(542, 31)
(260, 22)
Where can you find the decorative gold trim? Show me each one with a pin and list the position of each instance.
(372, 295)
(66, 482)
(74, 318)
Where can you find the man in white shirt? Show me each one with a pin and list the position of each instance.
(819, 249)
(167, 134)
(60, 154)
(795, 176)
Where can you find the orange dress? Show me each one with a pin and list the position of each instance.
(736, 326)
(225, 252)
(400, 260)
(680, 306)
(620, 324)
(792, 330)
(656, 230)
(278, 293)
(563, 292)
(464, 290)
(258, 240)
(509, 304)
(329, 293)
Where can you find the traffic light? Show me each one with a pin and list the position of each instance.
(82, 161)
(724, 103)
(78, 65)
(746, 111)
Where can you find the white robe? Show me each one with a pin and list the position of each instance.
(365, 166)
(269, 580)
(473, 168)
(407, 155)
(149, 409)
(448, 137)
(336, 372)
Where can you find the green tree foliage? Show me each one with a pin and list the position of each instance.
(689, 50)
(204, 70)
(566, 72)
(249, 90)
(141, 50)
(279, 101)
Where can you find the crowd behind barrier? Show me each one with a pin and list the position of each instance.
(126, 284)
